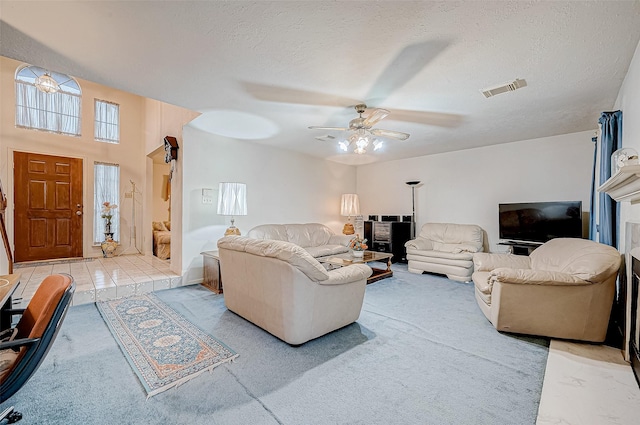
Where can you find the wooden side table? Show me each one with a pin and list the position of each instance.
(8, 284)
(212, 278)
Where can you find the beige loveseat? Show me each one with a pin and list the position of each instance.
(316, 238)
(280, 287)
(445, 248)
(162, 239)
(564, 289)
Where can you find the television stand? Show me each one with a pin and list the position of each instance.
(520, 248)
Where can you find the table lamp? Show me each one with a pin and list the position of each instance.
(349, 206)
(232, 200)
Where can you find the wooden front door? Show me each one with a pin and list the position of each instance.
(48, 207)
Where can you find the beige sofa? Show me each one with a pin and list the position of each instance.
(316, 238)
(445, 248)
(564, 289)
(281, 288)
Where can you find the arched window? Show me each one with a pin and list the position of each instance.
(47, 100)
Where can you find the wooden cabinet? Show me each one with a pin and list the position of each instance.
(390, 237)
(211, 270)
(520, 248)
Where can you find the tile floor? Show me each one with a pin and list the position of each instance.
(587, 384)
(584, 384)
(100, 279)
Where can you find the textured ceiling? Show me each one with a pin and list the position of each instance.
(264, 71)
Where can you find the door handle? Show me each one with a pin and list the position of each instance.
(78, 212)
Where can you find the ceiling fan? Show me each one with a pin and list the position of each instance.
(363, 133)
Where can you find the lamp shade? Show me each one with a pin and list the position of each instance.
(232, 199)
(350, 205)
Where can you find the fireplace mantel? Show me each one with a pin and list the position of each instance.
(624, 185)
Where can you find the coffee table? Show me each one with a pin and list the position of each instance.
(346, 259)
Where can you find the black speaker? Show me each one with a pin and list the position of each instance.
(406, 218)
(390, 218)
(373, 217)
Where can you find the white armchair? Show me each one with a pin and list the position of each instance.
(445, 248)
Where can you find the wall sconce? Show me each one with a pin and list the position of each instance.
(232, 200)
(349, 206)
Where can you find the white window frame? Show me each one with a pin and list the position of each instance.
(58, 112)
(105, 191)
(106, 122)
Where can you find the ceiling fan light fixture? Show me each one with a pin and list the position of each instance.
(362, 135)
(362, 143)
(46, 83)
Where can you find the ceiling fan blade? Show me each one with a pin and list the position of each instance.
(315, 127)
(290, 95)
(389, 133)
(406, 65)
(326, 138)
(438, 119)
(374, 117)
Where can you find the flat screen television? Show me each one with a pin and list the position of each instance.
(540, 222)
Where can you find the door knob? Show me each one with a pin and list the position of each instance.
(78, 212)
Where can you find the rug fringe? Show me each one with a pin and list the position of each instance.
(190, 377)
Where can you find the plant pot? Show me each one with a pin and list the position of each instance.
(108, 248)
(357, 254)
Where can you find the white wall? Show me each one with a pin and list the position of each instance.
(628, 102)
(467, 186)
(282, 187)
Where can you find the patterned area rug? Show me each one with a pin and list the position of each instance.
(162, 347)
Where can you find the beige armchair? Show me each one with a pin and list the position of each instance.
(564, 289)
(445, 248)
(281, 288)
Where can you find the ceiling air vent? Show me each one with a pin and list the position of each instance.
(503, 88)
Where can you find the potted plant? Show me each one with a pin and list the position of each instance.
(358, 245)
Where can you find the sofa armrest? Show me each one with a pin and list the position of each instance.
(420, 244)
(486, 262)
(536, 277)
(347, 274)
(340, 239)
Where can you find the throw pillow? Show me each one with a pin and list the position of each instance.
(167, 224)
(158, 225)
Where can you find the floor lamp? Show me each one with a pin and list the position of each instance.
(413, 185)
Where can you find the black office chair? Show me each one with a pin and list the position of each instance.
(35, 332)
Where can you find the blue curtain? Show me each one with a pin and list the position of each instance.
(610, 141)
(593, 226)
